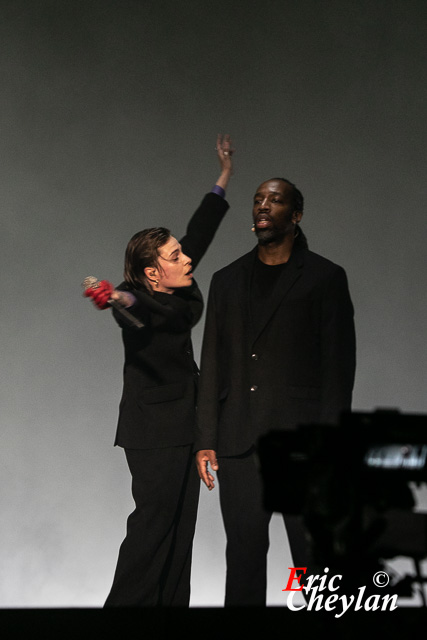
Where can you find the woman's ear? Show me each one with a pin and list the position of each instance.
(152, 275)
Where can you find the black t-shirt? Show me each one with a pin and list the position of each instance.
(264, 281)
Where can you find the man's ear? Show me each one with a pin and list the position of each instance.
(296, 216)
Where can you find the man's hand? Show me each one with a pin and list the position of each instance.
(204, 457)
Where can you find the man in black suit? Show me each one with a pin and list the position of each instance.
(278, 351)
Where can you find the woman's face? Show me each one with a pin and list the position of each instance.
(173, 270)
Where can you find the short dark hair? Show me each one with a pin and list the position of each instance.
(297, 197)
(298, 205)
(142, 252)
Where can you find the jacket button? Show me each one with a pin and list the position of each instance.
(254, 356)
(254, 387)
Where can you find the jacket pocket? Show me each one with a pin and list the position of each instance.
(165, 393)
(305, 393)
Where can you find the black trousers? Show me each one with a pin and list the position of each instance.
(246, 525)
(154, 564)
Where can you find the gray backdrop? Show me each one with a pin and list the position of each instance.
(109, 111)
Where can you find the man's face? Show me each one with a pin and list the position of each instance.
(273, 211)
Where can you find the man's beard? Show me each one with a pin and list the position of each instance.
(271, 234)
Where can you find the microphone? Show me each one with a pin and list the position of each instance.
(91, 284)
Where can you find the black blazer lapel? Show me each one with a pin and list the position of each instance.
(241, 288)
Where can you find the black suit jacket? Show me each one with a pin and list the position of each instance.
(157, 408)
(297, 368)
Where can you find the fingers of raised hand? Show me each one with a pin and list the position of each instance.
(224, 145)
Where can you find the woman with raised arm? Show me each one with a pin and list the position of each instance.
(157, 409)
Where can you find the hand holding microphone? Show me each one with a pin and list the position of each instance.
(104, 295)
(99, 291)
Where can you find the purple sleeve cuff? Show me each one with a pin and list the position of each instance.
(219, 191)
(133, 299)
